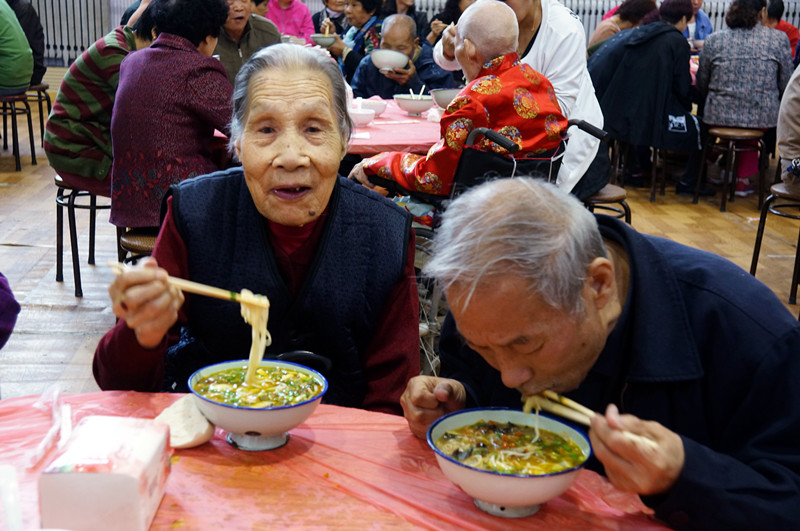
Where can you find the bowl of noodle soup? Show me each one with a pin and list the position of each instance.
(257, 416)
(509, 461)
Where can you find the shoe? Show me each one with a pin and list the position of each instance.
(743, 188)
(688, 189)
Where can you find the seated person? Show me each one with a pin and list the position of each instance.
(16, 58)
(77, 137)
(775, 20)
(698, 27)
(335, 260)
(171, 98)
(407, 7)
(660, 337)
(32, 26)
(9, 309)
(258, 7)
(502, 94)
(292, 17)
(333, 10)
(363, 35)
(788, 133)
(243, 34)
(399, 34)
(629, 15)
(643, 84)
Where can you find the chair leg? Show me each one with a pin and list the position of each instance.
(121, 253)
(41, 116)
(15, 138)
(30, 133)
(760, 233)
(653, 179)
(92, 218)
(795, 274)
(627, 210)
(59, 236)
(763, 163)
(702, 169)
(730, 166)
(5, 126)
(73, 240)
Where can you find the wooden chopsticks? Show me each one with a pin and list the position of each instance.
(569, 409)
(202, 289)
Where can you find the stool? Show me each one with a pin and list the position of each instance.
(10, 108)
(38, 94)
(621, 152)
(779, 191)
(610, 194)
(727, 138)
(135, 243)
(65, 197)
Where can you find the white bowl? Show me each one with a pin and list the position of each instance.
(256, 428)
(376, 105)
(387, 60)
(505, 494)
(322, 39)
(413, 105)
(361, 116)
(443, 97)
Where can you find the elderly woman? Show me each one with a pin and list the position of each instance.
(335, 260)
(363, 35)
(741, 91)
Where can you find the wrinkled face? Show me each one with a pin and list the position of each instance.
(335, 5)
(238, 14)
(398, 38)
(291, 146)
(468, 67)
(534, 346)
(355, 13)
(697, 5)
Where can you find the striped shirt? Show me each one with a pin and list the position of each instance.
(77, 138)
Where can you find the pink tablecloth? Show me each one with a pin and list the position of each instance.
(394, 130)
(344, 468)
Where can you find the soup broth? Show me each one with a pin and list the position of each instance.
(273, 386)
(510, 448)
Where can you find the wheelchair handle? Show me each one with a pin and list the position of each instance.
(589, 128)
(494, 136)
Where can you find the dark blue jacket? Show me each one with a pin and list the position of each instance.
(335, 312)
(368, 81)
(709, 352)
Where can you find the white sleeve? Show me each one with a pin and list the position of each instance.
(441, 60)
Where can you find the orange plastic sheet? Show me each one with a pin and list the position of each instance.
(343, 467)
(394, 130)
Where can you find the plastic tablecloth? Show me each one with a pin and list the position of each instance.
(394, 130)
(343, 467)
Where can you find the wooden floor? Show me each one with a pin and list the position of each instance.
(56, 333)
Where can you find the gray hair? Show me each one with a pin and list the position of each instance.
(522, 226)
(491, 26)
(288, 57)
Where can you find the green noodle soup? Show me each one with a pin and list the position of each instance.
(510, 448)
(274, 386)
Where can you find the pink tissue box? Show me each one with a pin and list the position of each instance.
(111, 475)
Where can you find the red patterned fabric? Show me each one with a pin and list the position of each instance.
(507, 96)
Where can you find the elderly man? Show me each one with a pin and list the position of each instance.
(399, 33)
(77, 138)
(335, 260)
(502, 94)
(674, 344)
(243, 34)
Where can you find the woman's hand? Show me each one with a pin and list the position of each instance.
(437, 27)
(427, 398)
(631, 464)
(145, 300)
(338, 47)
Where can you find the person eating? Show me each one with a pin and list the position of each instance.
(670, 343)
(363, 35)
(335, 260)
(242, 35)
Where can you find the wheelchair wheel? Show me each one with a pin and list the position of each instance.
(432, 305)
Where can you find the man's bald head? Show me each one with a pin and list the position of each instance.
(399, 33)
(492, 28)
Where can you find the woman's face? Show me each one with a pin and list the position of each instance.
(291, 146)
(522, 8)
(335, 5)
(406, 3)
(355, 13)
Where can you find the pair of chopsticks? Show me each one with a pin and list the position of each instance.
(569, 409)
(200, 289)
(417, 96)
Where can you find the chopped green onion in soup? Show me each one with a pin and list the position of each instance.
(273, 386)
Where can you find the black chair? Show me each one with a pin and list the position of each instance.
(10, 108)
(134, 244)
(38, 94)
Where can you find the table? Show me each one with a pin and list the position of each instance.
(343, 467)
(394, 130)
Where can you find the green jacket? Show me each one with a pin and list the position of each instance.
(258, 33)
(16, 57)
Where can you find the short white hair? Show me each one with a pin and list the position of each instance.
(491, 26)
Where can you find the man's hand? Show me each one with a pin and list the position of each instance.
(437, 27)
(427, 398)
(632, 464)
(145, 300)
(402, 75)
(449, 42)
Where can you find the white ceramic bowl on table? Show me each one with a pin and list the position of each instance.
(376, 105)
(444, 96)
(413, 105)
(388, 60)
(361, 117)
(256, 428)
(506, 494)
(323, 40)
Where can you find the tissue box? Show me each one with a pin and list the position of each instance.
(111, 475)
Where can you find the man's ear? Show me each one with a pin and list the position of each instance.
(471, 51)
(600, 280)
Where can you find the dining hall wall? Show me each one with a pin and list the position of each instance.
(71, 26)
